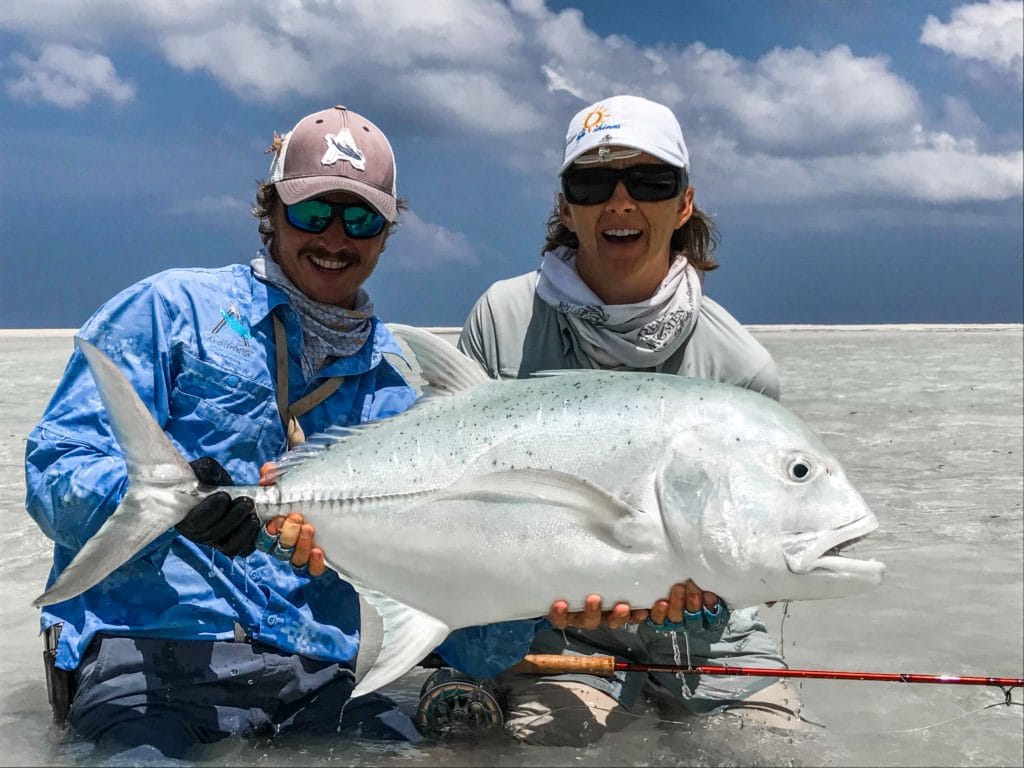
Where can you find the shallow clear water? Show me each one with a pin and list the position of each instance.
(929, 426)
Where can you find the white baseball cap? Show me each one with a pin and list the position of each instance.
(627, 121)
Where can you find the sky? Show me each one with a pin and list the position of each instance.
(862, 159)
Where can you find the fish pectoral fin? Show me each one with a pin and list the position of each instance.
(393, 638)
(590, 506)
(445, 369)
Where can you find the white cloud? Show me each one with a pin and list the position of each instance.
(991, 32)
(790, 102)
(558, 83)
(250, 61)
(89, 21)
(420, 246)
(940, 170)
(802, 103)
(506, 78)
(67, 77)
(947, 174)
(960, 117)
(474, 102)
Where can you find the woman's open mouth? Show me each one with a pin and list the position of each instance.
(621, 235)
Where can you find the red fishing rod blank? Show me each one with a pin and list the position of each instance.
(606, 666)
(825, 674)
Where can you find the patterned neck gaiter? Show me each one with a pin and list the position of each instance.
(641, 335)
(328, 331)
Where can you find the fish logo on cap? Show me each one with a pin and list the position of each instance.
(342, 146)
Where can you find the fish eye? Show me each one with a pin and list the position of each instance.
(799, 469)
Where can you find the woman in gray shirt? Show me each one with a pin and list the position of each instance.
(621, 287)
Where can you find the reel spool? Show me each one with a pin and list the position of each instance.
(453, 705)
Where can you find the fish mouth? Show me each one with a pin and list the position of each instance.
(807, 552)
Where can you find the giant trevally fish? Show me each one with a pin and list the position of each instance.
(489, 500)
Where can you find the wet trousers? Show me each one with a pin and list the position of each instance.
(561, 712)
(140, 697)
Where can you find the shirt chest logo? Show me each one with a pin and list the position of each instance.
(228, 343)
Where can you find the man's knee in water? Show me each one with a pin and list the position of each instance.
(561, 713)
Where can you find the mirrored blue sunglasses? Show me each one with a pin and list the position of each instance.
(359, 220)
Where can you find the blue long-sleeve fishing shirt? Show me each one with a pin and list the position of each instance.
(198, 346)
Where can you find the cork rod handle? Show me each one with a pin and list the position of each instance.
(554, 664)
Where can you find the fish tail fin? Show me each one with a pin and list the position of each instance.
(161, 486)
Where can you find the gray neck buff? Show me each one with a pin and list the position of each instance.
(641, 335)
(328, 331)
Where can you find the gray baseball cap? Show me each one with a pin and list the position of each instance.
(331, 150)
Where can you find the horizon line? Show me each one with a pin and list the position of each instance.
(752, 327)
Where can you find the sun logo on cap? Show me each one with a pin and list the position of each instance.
(597, 119)
(594, 118)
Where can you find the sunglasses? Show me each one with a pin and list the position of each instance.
(359, 220)
(645, 183)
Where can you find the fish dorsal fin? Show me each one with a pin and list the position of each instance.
(315, 444)
(607, 517)
(393, 638)
(445, 369)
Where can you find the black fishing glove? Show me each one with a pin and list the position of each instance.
(227, 524)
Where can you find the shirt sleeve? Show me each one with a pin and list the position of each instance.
(74, 470)
(477, 337)
(766, 381)
(489, 650)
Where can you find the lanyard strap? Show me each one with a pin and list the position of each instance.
(290, 413)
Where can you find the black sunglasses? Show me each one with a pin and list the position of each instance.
(359, 220)
(645, 183)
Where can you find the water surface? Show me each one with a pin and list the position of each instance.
(928, 425)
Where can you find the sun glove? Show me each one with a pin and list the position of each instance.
(227, 524)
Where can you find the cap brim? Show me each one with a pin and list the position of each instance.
(665, 157)
(297, 190)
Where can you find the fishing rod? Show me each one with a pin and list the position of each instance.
(606, 666)
(450, 700)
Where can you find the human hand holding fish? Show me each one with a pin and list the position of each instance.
(682, 596)
(231, 525)
(591, 617)
(227, 524)
(292, 533)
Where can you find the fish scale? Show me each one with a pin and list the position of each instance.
(409, 438)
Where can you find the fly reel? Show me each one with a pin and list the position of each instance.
(454, 705)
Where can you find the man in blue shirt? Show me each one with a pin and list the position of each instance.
(201, 635)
